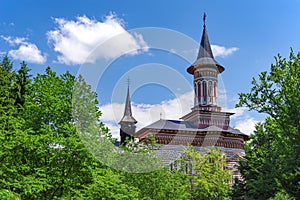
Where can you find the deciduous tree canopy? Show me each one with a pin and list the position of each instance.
(272, 155)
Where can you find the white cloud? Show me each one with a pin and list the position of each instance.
(14, 41)
(76, 40)
(114, 129)
(242, 120)
(221, 51)
(238, 112)
(246, 125)
(29, 53)
(26, 51)
(218, 51)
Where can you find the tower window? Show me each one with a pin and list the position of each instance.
(204, 91)
(199, 92)
(210, 92)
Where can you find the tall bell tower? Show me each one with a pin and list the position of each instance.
(206, 125)
(205, 70)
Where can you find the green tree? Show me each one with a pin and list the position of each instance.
(42, 155)
(61, 159)
(11, 133)
(261, 165)
(208, 179)
(7, 90)
(275, 93)
(23, 83)
(282, 196)
(108, 184)
(160, 184)
(146, 172)
(18, 143)
(8, 195)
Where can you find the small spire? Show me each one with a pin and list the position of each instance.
(205, 48)
(128, 113)
(128, 81)
(205, 55)
(204, 19)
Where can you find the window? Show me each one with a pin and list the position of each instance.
(199, 92)
(210, 91)
(204, 91)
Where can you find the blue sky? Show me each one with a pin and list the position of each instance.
(246, 36)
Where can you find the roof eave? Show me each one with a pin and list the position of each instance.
(192, 68)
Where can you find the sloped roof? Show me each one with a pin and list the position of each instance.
(128, 118)
(179, 125)
(205, 56)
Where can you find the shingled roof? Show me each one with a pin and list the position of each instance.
(205, 56)
(128, 118)
(178, 125)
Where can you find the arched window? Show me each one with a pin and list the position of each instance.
(215, 89)
(199, 92)
(196, 95)
(210, 91)
(204, 91)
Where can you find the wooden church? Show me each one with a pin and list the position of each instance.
(206, 126)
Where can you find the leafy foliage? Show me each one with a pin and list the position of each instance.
(52, 141)
(42, 155)
(108, 184)
(282, 196)
(273, 154)
(206, 174)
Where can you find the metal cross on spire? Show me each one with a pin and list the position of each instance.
(204, 18)
(128, 81)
